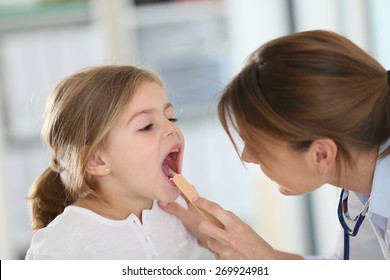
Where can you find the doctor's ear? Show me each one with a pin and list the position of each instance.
(323, 154)
(96, 164)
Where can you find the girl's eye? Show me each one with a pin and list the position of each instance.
(146, 128)
(173, 120)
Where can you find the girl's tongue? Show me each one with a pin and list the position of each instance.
(169, 166)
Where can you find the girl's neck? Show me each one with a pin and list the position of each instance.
(115, 208)
(359, 178)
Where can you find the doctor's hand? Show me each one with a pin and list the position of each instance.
(237, 240)
(190, 219)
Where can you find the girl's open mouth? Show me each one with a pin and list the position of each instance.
(170, 165)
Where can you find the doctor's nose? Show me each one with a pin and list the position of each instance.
(248, 156)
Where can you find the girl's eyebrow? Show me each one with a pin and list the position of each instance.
(149, 111)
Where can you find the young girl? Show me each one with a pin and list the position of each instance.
(115, 144)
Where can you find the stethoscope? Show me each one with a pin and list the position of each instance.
(342, 211)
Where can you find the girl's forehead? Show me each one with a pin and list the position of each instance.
(148, 98)
(149, 92)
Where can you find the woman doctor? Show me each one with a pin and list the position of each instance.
(311, 108)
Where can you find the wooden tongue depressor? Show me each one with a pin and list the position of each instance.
(189, 191)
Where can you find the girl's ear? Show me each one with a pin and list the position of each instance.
(96, 165)
(323, 154)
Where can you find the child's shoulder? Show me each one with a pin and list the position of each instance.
(63, 237)
(48, 242)
(61, 225)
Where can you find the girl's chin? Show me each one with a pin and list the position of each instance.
(172, 194)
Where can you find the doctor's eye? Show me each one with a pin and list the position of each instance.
(173, 120)
(146, 128)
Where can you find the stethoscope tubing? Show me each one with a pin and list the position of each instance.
(347, 231)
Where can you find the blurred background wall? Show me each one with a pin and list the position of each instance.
(196, 46)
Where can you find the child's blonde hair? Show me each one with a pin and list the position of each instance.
(79, 114)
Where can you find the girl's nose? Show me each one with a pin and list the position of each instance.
(171, 128)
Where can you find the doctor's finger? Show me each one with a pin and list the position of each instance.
(189, 219)
(227, 218)
(222, 250)
(219, 240)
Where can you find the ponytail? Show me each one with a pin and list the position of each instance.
(49, 197)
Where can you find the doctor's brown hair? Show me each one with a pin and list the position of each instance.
(78, 116)
(306, 86)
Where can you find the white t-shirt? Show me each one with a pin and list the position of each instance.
(79, 233)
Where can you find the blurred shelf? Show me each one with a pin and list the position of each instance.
(186, 42)
(174, 12)
(25, 17)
